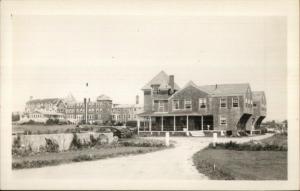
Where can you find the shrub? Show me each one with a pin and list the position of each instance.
(131, 123)
(51, 146)
(83, 158)
(76, 143)
(17, 142)
(142, 143)
(249, 146)
(52, 122)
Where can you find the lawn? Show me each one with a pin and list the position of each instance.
(125, 147)
(225, 164)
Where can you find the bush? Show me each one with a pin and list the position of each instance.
(83, 158)
(249, 146)
(52, 122)
(142, 143)
(131, 123)
(51, 146)
(76, 143)
(17, 142)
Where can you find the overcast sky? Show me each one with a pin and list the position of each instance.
(117, 55)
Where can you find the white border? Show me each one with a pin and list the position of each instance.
(288, 8)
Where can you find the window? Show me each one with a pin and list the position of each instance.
(254, 105)
(235, 102)
(188, 104)
(155, 89)
(223, 120)
(223, 102)
(175, 104)
(160, 106)
(202, 102)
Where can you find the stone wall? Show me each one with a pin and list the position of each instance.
(63, 140)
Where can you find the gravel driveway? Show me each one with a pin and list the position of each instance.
(169, 164)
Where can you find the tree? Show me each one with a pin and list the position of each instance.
(15, 117)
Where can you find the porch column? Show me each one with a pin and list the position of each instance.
(150, 125)
(187, 123)
(145, 123)
(174, 123)
(202, 122)
(138, 126)
(162, 123)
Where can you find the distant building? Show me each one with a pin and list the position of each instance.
(126, 112)
(40, 110)
(97, 111)
(221, 107)
(47, 105)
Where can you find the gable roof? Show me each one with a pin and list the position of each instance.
(43, 101)
(189, 84)
(161, 79)
(225, 89)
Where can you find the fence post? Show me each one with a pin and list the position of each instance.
(215, 137)
(138, 126)
(167, 139)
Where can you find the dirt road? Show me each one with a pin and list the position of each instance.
(169, 164)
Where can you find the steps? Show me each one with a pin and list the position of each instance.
(197, 133)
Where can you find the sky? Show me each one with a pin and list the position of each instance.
(116, 55)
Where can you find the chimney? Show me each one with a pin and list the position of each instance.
(171, 82)
(137, 99)
(216, 86)
(89, 99)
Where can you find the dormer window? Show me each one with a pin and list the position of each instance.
(188, 104)
(161, 106)
(223, 102)
(155, 89)
(175, 104)
(202, 102)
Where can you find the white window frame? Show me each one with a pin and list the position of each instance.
(186, 103)
(238, 104)
(202, 101)
(222, 118)
(173, 104)
(224, 98)
(161, 105)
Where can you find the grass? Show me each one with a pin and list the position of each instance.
(49, 159)
(235, 164)
(124, 147)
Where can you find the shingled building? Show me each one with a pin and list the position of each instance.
(227, 108)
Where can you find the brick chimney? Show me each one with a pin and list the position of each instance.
(171, 82)
(137, 99)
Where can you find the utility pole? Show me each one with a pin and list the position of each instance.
(86, 104)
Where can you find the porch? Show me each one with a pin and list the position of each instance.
(176, 123)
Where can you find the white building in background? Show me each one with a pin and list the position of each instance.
(40, 110)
